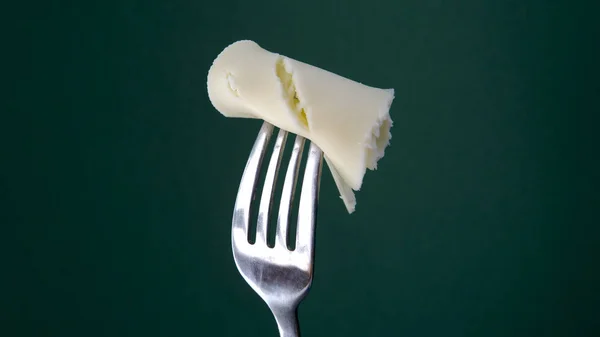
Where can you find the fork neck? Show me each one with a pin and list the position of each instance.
(287, 321)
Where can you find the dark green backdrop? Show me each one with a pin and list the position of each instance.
(119, 177)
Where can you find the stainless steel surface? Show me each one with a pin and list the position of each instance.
(282, 277)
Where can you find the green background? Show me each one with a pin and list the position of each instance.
(119, 177)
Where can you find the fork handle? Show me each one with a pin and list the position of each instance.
(287, 321)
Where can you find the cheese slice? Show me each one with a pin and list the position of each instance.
(348, 120)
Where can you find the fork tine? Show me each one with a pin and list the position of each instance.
(241, 214)
(287, 193)
(266, 199)
(309, 199)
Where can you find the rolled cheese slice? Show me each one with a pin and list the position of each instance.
(348, 120)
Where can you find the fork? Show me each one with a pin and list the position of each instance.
(281, 276)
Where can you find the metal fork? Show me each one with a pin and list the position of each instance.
(280, 276)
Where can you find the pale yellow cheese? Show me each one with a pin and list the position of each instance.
(348, 120)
